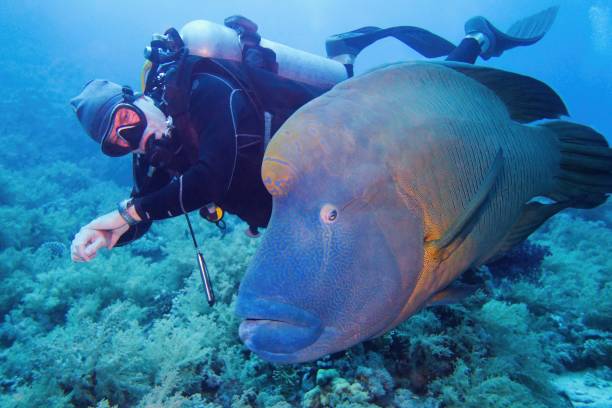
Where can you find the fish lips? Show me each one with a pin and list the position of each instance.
(271, 327)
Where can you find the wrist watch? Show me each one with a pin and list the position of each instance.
(122, 207)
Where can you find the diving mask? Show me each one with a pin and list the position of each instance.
(136, 126)
(125, 131)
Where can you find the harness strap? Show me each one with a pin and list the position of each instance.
(267, 128)
(233, 70)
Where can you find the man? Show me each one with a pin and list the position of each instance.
(213, 155)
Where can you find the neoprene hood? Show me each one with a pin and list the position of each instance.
(95, 104)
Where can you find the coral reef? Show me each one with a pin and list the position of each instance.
(133, 329)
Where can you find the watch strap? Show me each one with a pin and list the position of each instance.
(122, 207)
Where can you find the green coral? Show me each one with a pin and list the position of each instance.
(335, 391)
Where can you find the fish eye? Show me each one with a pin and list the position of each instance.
(329, 214)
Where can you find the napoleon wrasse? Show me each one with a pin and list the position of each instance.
(391, 185)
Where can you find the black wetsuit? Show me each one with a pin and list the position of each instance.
(231, 143)
(231, 146)
(231, 130)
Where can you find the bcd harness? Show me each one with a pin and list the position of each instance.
(167, 79)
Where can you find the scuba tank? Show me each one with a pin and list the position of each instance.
(239, 35)
(239, 42)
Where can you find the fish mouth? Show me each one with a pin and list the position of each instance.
(270, 327)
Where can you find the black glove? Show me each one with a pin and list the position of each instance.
(177, 91)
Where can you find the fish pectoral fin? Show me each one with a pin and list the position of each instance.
(526, 98)
(454, 293)
(455, 233)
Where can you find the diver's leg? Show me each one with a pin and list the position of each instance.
(467, 51)
(483, 39)
(346, 46)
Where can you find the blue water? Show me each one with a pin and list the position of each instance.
(132, 329)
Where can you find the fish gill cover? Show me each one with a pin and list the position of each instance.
(132, 328)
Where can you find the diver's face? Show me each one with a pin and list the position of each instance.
(157, 122)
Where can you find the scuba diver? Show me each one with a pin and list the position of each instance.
(213, 96)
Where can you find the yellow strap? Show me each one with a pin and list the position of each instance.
(143, 74)
(219, 212)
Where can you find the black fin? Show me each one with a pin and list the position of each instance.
(475, 203)
(422, 41)
(585, 174)
(534, 27)
(526, 98)
(526, 31)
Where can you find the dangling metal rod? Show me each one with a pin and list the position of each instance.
(210, 295)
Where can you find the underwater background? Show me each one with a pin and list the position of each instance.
(132, 327)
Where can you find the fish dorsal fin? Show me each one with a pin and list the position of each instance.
(526, 98)
(533, 216)
(471, 211)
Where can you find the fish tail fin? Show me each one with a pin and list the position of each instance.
(584, 178)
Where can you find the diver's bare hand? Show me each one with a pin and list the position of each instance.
(86, 244)
(104, 231)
